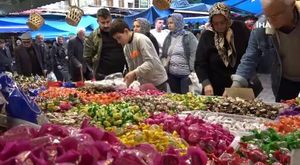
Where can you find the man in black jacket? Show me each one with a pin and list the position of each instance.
(44, 51)
(101, 51)
(5, 57)
(78, 68)
(29, 61)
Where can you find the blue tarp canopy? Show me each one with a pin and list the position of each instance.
(201, 7)
(249, 6)
(150, 14)
(54, 25)
(201, 20)
(211, 2)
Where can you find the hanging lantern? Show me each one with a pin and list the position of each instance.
(35, 21)
(162, 4)
(74, 15)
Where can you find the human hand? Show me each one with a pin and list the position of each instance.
(59, 67)
(208, 90)
(129, 78)
(225, 94)
(45, 72)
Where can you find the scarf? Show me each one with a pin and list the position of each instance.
(145, 25)
(224, 42)
(179, 24)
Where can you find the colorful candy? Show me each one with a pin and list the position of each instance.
(114, 115)
(286, 124)
(191, 101)
(212, 138)
(153, 134)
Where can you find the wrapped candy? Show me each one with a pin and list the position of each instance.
(285, 124)
(212, 138)
(153, 104)
(274, 146)
(117, 114)
(192, 101)
(152, 134)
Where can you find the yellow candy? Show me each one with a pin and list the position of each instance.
(153, 134)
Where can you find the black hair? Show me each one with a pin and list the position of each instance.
(159, 18)
(103, 13)
(118, 26)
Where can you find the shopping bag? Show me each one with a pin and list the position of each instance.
(195, 87)
(19, 104)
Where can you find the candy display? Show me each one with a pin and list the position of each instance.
(212, 138)
(29, 84)
(244, 107)
(193, 102)
(114, 115)
(157, 104)
(292, 110)
(149, 127)
(96, 89)
(63, 93)
(153, 134)
(268, 146)
(286, 124)
(235, 123)
(131, 93)
(54, 144)
(59, 104)
(293, 102)
(71, 118)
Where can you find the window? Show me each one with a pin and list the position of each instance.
(130, 5)
(110, 3)
(121, 3)
(137, 3)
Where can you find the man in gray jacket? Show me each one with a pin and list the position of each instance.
(278, 38)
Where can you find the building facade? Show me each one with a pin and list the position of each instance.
(113, 3)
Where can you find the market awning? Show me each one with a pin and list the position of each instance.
(9, 6)
(150, 14)
(54, 25)
(199, 7)
(194, 20)
(249, 6)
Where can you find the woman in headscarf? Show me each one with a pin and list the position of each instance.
(180, 48)
(141, 25)
(59, 60)
(220, 49)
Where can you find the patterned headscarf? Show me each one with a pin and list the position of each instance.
(145, 25)
(179, 24)
(228, 55)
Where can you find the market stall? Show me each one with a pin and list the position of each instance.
(106, 123)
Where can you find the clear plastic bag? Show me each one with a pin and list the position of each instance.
(195, 87)
(51, 77)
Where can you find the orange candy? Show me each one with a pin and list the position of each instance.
(57, 92)
(286, 124)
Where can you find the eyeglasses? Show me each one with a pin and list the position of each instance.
(26, 42)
